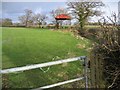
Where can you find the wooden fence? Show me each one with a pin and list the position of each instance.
(96, 71)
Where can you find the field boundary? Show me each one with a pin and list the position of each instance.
(35, 66)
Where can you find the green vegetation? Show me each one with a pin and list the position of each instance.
(26, 46)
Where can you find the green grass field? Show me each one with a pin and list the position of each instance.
(25, 46)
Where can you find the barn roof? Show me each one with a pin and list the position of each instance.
(63, 17)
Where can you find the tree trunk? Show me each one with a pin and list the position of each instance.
(26, 23)
(39, 26)
(81, 27)
(57, 24)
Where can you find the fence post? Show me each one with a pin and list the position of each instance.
(85, 72)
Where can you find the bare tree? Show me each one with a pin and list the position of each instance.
(84, 10)
(40, 18)
(22, 19)
(0, 21)
(25, 19)
(6, 22)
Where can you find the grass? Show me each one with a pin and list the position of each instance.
(92, 26)
(25, 46)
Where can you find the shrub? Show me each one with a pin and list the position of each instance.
(108, 48)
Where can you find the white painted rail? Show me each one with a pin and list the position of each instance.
(35, 66)
(58, 84)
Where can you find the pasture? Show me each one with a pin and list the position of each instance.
(26, 46)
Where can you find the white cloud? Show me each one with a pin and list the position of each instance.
(38, 10)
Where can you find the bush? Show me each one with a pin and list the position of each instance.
(108, 47)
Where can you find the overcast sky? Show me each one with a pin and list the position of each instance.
(14, 9)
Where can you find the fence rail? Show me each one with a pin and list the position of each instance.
(35, 66)
(60, 83)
